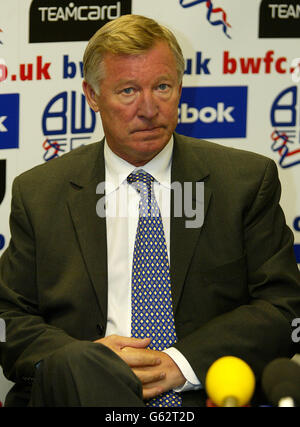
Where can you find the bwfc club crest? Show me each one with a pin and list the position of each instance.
(285, 121)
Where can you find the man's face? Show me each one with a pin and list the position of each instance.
(138, 102)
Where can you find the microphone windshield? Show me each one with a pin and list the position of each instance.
(280, 379)
(230, 382)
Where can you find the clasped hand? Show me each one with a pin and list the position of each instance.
(155, 369)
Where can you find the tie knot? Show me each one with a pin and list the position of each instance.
(140, 176)
(142, 181)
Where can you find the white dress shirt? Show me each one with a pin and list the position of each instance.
(122, 211)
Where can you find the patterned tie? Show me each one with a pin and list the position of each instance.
(151, 299)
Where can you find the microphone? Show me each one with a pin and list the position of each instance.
(281, 382)
(230, 382)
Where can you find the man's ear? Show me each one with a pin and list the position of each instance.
(90, 95)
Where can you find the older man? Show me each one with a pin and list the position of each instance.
(96, 314)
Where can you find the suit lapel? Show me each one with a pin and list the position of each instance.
(186, 167)
(89, 227)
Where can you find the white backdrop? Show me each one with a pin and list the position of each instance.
(240, 89)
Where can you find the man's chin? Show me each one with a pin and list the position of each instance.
(150, 145)
(146, 150)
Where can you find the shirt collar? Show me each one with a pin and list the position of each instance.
(117, 169)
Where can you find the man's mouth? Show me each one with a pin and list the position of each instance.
(148, 129)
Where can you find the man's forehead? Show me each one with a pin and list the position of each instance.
(154, 64)
(159, 47)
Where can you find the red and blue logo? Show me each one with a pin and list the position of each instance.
(286, 133)
(215, 15)
(67, 123)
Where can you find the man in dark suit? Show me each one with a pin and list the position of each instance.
(65, 279)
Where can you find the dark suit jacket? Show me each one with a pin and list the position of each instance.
(235, 281)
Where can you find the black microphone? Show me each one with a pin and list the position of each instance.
(281, 382)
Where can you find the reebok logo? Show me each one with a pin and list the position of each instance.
(206, 114)
(213, 112)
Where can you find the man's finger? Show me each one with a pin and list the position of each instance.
(137, 342)
(148, 376)
(117, 342)
(136, 357)
(149, 393)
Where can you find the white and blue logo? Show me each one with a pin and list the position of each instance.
(67, 123)
(213, 112)
(9, 120)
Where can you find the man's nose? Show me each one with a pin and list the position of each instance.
(148, 106)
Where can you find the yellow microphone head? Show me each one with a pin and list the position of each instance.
(230, 377)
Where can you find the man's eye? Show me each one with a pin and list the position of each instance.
(163, 86)
(128, 91)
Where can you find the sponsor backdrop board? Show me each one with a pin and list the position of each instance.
(241, 84)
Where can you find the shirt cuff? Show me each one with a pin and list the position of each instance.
(192, 382)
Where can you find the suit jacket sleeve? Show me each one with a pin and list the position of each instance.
(260, 329)
(28, 338)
